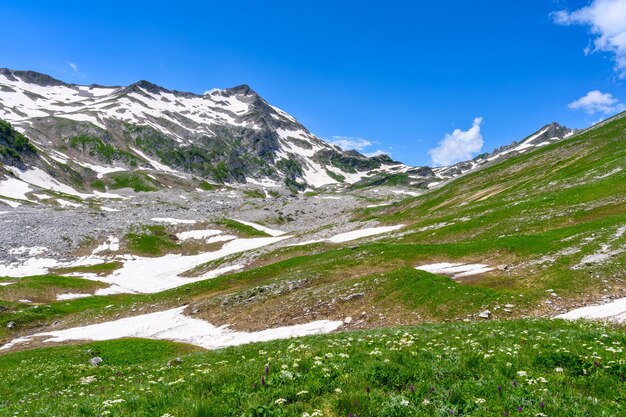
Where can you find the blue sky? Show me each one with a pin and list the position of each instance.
(400, 75)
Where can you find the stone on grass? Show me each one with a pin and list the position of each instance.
(174, 362)
(484, 314)
(95, 361)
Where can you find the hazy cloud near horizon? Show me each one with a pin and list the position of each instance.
(460, 145)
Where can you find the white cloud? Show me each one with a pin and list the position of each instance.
(459, 145)
(607, 22)
(377, 152)
(350, 143)
(597, 102)
(73, 67)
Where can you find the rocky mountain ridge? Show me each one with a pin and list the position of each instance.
(145, 137)
(230, 135)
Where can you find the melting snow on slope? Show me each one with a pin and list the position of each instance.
(353, 235)
(28, 251)
(197, 234)
(357, 234)
(271, 232)
(101, 170)
(42, 179)
(613, 311)
(175, 326)
(112, 244)
(65, 203)
(156, 164)
(14, 188)
(71, 296)
(150, 275)
(411, 193)
(457, 270)
(220, 238)
(143, 275)
(263, 182)
(40, 266)
(17, 188)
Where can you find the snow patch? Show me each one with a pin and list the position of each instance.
(357, 234)
(175, 326)
(112, 245)
(197, 234)
(101, 170)
(613, 311)
(411, 193)
(156, 164)
(42, 179)
(71, 296)
(271, 232)
(65, 203)
(457, 270)
(151, 275)
(28, 251)
(14, 188)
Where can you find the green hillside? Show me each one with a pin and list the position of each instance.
(551, 226)
(526, 368)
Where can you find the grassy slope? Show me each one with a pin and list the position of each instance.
(514, 213)
(562, 197)
(456, 367)
(43, 288)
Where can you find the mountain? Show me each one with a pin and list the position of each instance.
(148, 137)
(224, 136)
(409, 302)
(548, 134)
(429, 177)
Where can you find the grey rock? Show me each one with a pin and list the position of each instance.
(174, 362)
(96, 361)
(353, 296)
(484, 314)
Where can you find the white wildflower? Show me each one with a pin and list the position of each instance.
(87, 380)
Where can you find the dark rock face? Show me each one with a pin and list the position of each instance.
(32, 77)
(553, 131)
(15, 148)
(206, 135)
(226, 136)
(350, 161)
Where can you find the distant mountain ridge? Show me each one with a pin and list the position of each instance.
(429, 177)
(92, 135)
(550, 133)
(230, 135)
